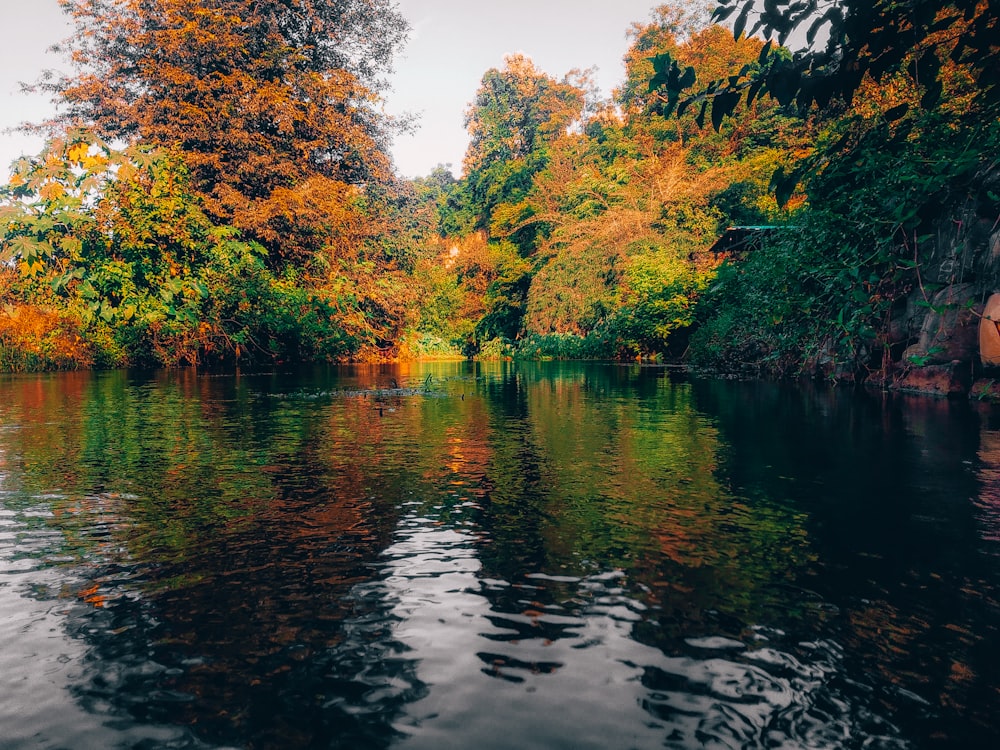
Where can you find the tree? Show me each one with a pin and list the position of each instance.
(114, 237)
(517, 113)
(113, 249)
(670, 26)
(908, 101)
(516, 110)
(876, 38)
(273, 104)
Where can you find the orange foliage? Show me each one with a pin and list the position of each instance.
(260, 96)
(33, 337)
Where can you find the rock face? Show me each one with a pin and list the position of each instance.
(952, 379)
(950, 328)
(946, 339)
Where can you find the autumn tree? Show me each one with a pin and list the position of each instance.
(669, 26)
(518, 111)
(908, 95)
(109, 250)
(273, 104)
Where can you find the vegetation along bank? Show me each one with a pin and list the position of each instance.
(217, 190)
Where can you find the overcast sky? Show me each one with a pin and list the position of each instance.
(452, 43)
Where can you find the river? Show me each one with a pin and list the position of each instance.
(494, 555)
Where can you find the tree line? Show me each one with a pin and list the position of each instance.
(217, 188)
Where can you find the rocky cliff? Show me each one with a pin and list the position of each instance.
(942, 335)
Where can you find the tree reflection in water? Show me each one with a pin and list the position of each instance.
(498, 555)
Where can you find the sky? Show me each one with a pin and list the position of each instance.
(452, 44)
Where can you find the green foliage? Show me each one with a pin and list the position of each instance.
(640, 316)
(763, 313)
(597, 344)
(815, 296)
(907, 142)
(505, 298)
(117, 240)
(518, 112)
(659, 291)
(495, 348)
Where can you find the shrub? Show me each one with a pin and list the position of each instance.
(35, 338)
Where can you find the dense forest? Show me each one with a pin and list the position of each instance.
(217, 189)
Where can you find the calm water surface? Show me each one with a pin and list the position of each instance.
(493, 556)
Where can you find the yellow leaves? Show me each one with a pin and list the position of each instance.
(94, 163)
(77, 152)
(52, 191)
(29, 269)
(82, 154)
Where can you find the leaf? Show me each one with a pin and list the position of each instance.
(21, 247)
(723, 12)
(783, 85)
(30, 269)
(764, 52)
(784, 185)
(72, 245)
(741, 21)
(688, 79)
(822, 91)
(60, 282)
(77, 152)
(722, 106)
(700, 118)
(52, 191)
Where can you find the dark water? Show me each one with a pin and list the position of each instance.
(493, 556)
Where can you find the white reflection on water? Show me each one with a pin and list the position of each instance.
(39, 660)
(572, 675)
(488, 685)
(31, 630)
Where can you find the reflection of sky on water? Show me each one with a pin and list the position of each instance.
(43, 655)
(35, 627)
(547, 669)
(570, 673)
(527, 561)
